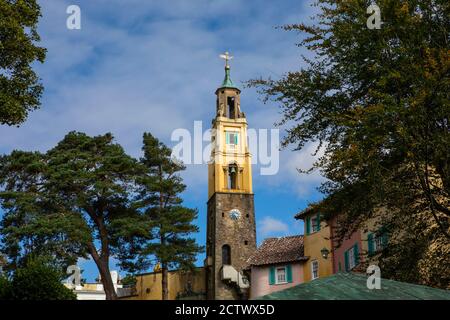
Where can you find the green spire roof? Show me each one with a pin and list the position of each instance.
(227, 82)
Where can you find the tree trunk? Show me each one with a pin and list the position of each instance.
(107, 282)
(164, 282)
(164, 273)
(105, 274)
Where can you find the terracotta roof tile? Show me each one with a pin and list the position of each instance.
(278, 250)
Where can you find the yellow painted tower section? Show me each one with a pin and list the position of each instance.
(229, 146)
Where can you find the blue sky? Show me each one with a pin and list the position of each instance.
(140, 65)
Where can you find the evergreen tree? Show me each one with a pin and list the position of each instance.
(75, 200)
(172, 222)
(20, 90)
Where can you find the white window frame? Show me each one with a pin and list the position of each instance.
(351, 258)
(313, 276)
(276, 275)
(377, 243)
(314, 224)
(232, 134)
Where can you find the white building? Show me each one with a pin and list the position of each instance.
(93, 291)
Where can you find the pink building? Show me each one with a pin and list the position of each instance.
(346, 254)
(276, 265)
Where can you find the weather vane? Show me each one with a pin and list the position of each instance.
(226, 56)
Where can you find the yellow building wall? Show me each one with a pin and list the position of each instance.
(313, 244)
(148, 286)
(371, 225)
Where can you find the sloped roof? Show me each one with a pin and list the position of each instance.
(278, 250)
(311, 208)
(351, 286)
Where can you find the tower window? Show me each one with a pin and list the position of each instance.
(232, 138)
(314, 269)
(232, 176)
(246, 242)
(226, 255)
(231, 107)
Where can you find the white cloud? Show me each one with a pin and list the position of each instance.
(153, 66)
(271, 226)
(289, 180)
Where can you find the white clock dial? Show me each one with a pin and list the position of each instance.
(235, 214)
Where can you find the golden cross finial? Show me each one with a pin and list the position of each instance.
(226, 56)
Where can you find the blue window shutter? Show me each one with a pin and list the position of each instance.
(318, 221)
(347, 266)
(235, 138)
(370, 243)
(272, 276)
(356, 253)
(289, 273)
(227, 134)
(308, 225)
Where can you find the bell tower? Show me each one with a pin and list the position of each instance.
(231, 230)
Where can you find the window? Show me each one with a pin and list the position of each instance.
(377, 241)
(351, 257)
(281, 275)
(231, 138)
(314, 269)
(231, 107)
(313, 224)
(226, 255)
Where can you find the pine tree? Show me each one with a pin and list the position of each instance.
(73, 201)
(172, 222)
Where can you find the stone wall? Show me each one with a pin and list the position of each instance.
(239, 234)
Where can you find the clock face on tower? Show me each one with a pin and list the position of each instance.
(235, 214)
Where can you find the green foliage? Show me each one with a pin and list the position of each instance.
(172, 223)
(377, 103)
(37, 279)
(5, 287)
(70, 202)
(160, 195)
(87, 197)
(128, 280)
(20, 90)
